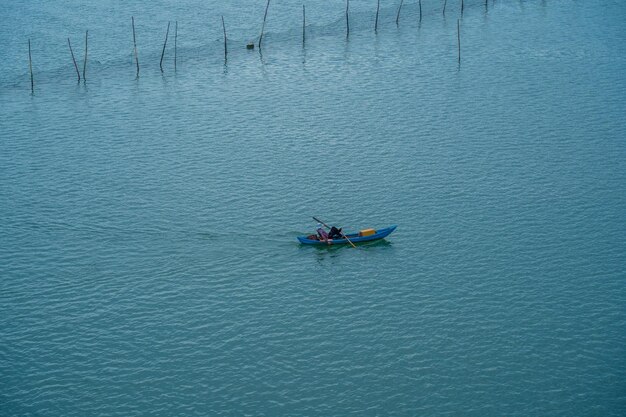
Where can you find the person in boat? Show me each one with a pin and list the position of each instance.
(335, 233)
(321, 233)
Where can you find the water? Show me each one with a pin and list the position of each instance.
(148, 253)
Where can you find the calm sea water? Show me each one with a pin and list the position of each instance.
(148, 254)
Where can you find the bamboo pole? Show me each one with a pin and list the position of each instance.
(167, 32)
(347, 18)
(462, 7)
(303, 25)
(85, 61)
(73, 59)
(225, 40)
(398, 15)
(135, 45)
(444, 7)
(420, 3)
(30, 66)
(175, 42)
(263, 26)
(377, 10)
(458, 37)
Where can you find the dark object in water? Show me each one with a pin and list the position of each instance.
(250, 45)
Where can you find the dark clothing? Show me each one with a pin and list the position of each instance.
(335, 233)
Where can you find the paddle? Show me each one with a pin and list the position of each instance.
(327, 226)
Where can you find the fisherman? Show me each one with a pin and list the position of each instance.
(335, 233)
(321, 233)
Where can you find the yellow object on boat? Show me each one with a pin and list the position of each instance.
(367, 232)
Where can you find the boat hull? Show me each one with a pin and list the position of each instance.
(354, 238)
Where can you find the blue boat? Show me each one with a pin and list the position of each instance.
(354, 237)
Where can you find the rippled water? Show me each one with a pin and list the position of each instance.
(148, 254)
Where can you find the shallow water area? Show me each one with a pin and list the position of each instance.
(149, 258)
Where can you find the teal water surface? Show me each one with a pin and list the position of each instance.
(148, 255)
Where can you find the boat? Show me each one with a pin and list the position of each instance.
(366, 235)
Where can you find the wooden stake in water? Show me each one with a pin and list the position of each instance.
(135, 45)
(263, 26)
(73, 59)
(398, 15)
(458, 37)
(420, 2)
(347, 18)
(175, 42)
(377, 10)
(30, 65)
(462, 7)
(303, 24)
(225, 40)
(444, 7)
(167, 32)
(85, 61)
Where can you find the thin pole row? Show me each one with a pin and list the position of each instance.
(85, 61)
(30, 65)
(73, 59)
(167, 32)
(135, 45)
(32, 82)
(225, 40)
(263, 26)
(398, 15)
(377, 10)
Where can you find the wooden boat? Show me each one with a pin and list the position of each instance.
(362, 236)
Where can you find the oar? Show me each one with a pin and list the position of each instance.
(328, 227)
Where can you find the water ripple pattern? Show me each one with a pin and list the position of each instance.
(148, 256)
